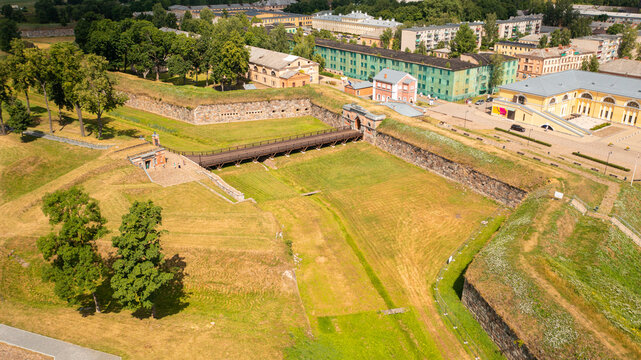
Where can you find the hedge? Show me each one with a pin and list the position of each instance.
(601, 161)
(524, 137)
(600, 126)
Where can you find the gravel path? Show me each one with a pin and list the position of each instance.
(57, 349)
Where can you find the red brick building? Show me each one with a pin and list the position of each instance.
(362, 88)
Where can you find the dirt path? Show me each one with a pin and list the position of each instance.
(596, 328)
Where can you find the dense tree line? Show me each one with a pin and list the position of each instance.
(217, 51)
(137, 273)
(64, 76)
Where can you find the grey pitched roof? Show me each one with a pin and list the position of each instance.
(272, 59)
(288, 74)
(622, 66)
(570, 80)
(360, 85)
(390, 76)
(403, 108)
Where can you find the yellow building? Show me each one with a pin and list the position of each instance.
(279, 70)
(512, 48)
(552, 100)
(274, 17)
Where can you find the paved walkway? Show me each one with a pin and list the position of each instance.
(60, 350)
(40, 134)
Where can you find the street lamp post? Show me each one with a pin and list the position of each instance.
(605, 171)
(465, 122)
(635, 169)
(529, 137)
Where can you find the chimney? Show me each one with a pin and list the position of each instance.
(385, 76)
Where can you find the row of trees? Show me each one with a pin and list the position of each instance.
(138, 272)
(62, 74)
(216, 50)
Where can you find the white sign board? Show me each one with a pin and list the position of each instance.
(558, 195)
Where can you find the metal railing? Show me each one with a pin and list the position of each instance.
(259, 143)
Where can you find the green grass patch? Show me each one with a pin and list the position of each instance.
(600, 126)
(523, 137)
(600, 263)
(619, 167)
(485, 162)
(628, 205)
(27, 166)
(184, 136)
(451, 288)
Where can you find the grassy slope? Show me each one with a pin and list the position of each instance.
(628, 205)
(488, 163)
(238, 302)
(26, 166)
(576, 255)
(366, 244)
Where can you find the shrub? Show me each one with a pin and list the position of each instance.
(601, 161)
(600, 126)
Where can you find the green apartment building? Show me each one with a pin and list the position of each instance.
(448, 79)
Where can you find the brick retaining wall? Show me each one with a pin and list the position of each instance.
(46, 33)
(502, 335)
(485, 185)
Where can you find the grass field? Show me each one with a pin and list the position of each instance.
(25, 168)
(628, 205)
(126, 123)
(238, 303)
(374, 238)
(563, 281)
(46, 42)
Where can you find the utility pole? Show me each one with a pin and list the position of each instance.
(635, 169)
(529, 137)
(465, 122)
(605, 172)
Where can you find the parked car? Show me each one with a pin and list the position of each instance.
(547, 127)
(489, 99)
(518, 128)
(479, 102)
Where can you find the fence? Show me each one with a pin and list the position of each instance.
(255, 144)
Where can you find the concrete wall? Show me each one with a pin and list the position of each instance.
(46, 33)
(502, 335)
(233, 112)
(481, 183)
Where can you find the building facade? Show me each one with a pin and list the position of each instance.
(552, 99)
(432, 35)
(356, 22)
(361, 88)
(512, 48)
(394, 85)
(515, 25)
(606, 47)
(359, 118)
(551, 60)
(449, 79)
(279, 70)
(276, 17)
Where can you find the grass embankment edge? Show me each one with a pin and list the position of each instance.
(449, 288)
(603, 162)
(524, 137)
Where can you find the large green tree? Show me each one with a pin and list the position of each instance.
(96, 92)
(40, 67)
(628, 41)
(543, 42)
(8, 32)
(19, 118)
(232, 61)
(496, 76)
(5, 90)
(491, 31)
(68, 58)
(304, 45)
(76, 267)
(278, 39)
(21, 78)
(139, 272)
(464, 41)
(386, 37)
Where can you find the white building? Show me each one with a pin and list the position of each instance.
(356, 22)
(606, 47)
(613, 17)
(434, 34)
(529, 24)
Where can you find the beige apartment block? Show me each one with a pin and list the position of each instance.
(550, 60)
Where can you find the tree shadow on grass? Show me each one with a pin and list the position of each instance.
(108, 130)
(35, 110)
(66, 120)
(172, 297)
